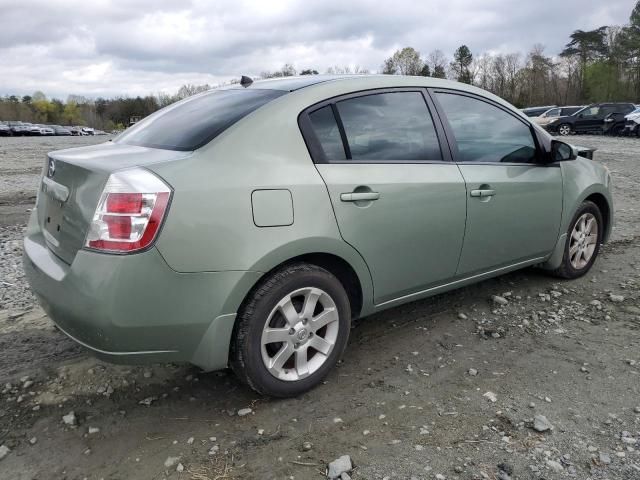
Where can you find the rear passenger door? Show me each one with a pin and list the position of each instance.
(397, 197)
(514, 200)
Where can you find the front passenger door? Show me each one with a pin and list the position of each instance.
(514, 201)
(590, 119)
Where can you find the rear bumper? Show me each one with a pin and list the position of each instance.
(135, 308)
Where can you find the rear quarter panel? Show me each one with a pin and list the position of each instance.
(210, 225)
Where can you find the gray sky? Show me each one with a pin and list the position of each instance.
(130, 47)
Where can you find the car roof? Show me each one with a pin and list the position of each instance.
(327, 86)
(288, 84)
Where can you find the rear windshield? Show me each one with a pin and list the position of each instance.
(194, 122)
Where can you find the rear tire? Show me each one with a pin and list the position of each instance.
(583, 242)
(291, 331)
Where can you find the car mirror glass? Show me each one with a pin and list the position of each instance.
(562, 152)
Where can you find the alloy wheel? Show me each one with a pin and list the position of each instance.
(300, 334)
(564, 130)
(584, 239)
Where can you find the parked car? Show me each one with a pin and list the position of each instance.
(46, 129)
(75, 131)
(19, 128)
(5, 130)
(32, 130)
(632, 123)
(588, 120)
(88, 131)
(536, 111)
(60, 130)
(553, 113)
(249, 225)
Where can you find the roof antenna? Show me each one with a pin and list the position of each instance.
(245, 81)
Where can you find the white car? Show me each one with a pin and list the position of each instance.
(550, 115)
(632, 123)
(46, 130)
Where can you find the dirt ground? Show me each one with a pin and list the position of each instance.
(442, 388)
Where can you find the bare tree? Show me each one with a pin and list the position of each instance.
(404, 62)
(438, 64)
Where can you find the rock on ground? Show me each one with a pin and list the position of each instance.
(70, 419)
(339, 466)
(541, 424)
(4, 451)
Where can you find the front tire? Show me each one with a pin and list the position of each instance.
(291, 331)
(564, 129)
(583, 242)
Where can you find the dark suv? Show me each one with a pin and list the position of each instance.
(589, 119)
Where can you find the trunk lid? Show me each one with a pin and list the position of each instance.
(72, 183)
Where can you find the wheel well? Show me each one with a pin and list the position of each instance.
(603, 205)
(343, 272)
(338, 267)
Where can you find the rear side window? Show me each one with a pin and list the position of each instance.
(389, 126)
(194, 122)
(326, 129)
(486, 133)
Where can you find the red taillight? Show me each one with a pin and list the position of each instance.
(124, 203)
(119, 227)
(130, 212)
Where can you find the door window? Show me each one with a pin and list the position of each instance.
(553, 113)
(486, 133)
(592, 112)
(328, 134)
(569, 111)
(389, 127)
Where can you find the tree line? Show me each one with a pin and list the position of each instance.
(596, 65)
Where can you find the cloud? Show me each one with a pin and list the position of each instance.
(111, 47)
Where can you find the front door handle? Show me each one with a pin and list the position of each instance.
(482, 193)
(359, 196)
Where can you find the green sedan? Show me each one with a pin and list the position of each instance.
(248, 226)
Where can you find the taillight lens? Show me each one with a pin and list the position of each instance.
(130, 212)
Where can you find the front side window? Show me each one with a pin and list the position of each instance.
(569, 111)
(389, 127)
(591, 111)
(553, 113)
(486, 133)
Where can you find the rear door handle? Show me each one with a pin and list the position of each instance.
(359, 196)
(482, 193)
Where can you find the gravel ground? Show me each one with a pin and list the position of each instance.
(519, 377)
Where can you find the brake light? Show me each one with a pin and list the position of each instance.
(130, 212)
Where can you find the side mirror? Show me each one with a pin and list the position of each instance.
(562, 152)
(581, 115)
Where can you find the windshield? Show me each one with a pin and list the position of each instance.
(195, 121)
